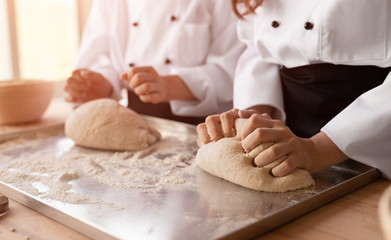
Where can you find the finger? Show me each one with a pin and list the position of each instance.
(228, 122)
(202, 132)
(91, 77)
(146, 88)
(200, 143)
(246, 113)
(271, 154)
(138, 79)
(151, 98)
(124, 76)
(69, 98)
(284, 168)
(75, 99)
(265, 115)
(144, 69)
(76, 72)
(77, 75)
(74, 92)
(258, 136)
(254, 122)
(76, 85)
(80, 81)
(73, 86)
(213, 126)
(85, 73)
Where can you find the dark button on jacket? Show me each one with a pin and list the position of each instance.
(308, 25)
(275, 24)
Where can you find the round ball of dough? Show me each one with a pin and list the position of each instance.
(105, 124)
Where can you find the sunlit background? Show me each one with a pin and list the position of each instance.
(39, 38)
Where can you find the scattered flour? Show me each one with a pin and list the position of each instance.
(47, 166)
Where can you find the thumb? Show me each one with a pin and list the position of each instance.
(123, 76)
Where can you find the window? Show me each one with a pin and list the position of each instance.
(5, 64)
(40, 37)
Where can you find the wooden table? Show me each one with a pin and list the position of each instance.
(351, 217)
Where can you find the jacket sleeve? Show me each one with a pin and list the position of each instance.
(257, 82)
(212, 82)
(94, 52)
(363, 130)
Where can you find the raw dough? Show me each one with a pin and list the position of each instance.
(105, 124)
(226, 159)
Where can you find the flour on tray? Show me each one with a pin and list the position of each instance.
(47, 166)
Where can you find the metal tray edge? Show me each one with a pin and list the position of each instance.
(288, 214)
(85, 228)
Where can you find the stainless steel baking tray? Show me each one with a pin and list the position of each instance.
(192, 205)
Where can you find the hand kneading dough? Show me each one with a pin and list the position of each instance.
(226, 159)
(105, 124)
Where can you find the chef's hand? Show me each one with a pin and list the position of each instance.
(313, 154)
(147, 84)
(154, 88)
(223, 125)
(217, 126)
(85, 85)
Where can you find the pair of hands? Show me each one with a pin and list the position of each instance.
(85, 85)
(300, 152)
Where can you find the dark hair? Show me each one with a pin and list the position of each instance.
(250, 6)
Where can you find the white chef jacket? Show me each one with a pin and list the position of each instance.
(301, 32)
(195, 39)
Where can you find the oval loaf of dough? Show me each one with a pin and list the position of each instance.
(105, 124)
(226, 159)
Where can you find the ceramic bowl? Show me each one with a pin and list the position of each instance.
(23, 101)
(385, 213)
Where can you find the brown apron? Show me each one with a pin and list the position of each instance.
(314, 94)
(161, 110)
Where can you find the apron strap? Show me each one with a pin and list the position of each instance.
(314, 94)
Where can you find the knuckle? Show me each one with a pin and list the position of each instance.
(293, 142)
(253, 120)
(278, 123)
(259, 133)
(211, 119)
(137, 76)
(225, 116)
(289, 165)
(233, 111)
(132, 71)
(201, 127)
(265, 115)
(147, 87)
(75, 72)
(273, 151)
